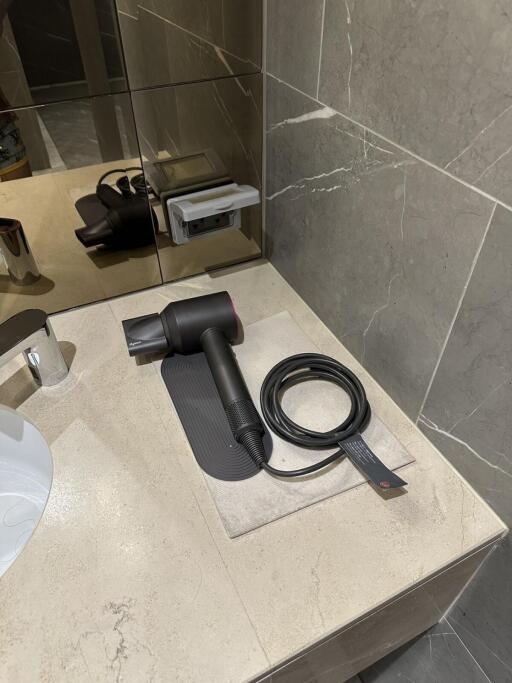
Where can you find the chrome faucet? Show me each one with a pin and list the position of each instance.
(18, 257)
(30, 333)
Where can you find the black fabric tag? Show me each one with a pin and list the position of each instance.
(365, 460)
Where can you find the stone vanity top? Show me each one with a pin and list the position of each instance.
(130, 575)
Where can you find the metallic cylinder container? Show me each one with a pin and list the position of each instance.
(15, 249)
(30, 333)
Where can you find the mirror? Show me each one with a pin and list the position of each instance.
(196, 136)
(57, 50)
(178, 41)
(53, 155)
(52, 158)
(85, 216)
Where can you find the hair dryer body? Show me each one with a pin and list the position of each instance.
(210, 324)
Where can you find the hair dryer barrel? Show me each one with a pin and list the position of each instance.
(180, 325)
(185, 321)
(243, 418)
(224, 367)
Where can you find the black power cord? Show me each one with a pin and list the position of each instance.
(302, 368)
(137, 182)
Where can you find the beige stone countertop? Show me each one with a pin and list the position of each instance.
(130, 575)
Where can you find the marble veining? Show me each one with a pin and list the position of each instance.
(200, 42)
(322, 113)
(433, 79)
(466, 414)
(183, 42)
(466, 410)
(430, 425)
(358, 226)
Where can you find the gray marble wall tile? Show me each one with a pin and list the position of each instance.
(294, 38)
(379, 244)
(482, 616)
(467, 412)
(438, 656)
(467, 415)
(476, 635)
(189, 40)
(431, 76)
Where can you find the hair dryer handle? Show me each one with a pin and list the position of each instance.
(243, 418)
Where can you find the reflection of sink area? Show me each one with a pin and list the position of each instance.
(26, 470)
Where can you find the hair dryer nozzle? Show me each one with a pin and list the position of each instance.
(181, 325)
(97, 233)
(145, 335)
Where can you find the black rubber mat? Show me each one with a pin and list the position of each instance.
(194, 395)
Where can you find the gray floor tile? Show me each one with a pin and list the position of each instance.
(483, 616)
(438, 656)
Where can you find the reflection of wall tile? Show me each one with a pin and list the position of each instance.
(224, 115)
(204, 18)
(46, 28)
(378, 243)
(62, 50)
(14, 90)
(242, 29)
(294, 36)
(433, 77)
(167, 43)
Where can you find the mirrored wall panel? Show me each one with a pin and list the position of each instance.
(201, 151)
(178, 41)
(130, 145)
(58, 49)
(75, 222)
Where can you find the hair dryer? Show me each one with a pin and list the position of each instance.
(123, 227)
(210, 324)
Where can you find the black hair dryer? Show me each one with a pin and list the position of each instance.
(210, 324)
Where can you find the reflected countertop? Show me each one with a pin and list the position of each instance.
(70, 274)
(130, 575)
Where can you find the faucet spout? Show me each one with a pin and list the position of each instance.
(30, 333)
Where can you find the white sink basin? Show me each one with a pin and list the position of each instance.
(26, 470)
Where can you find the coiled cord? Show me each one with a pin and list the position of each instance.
(301, 368)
